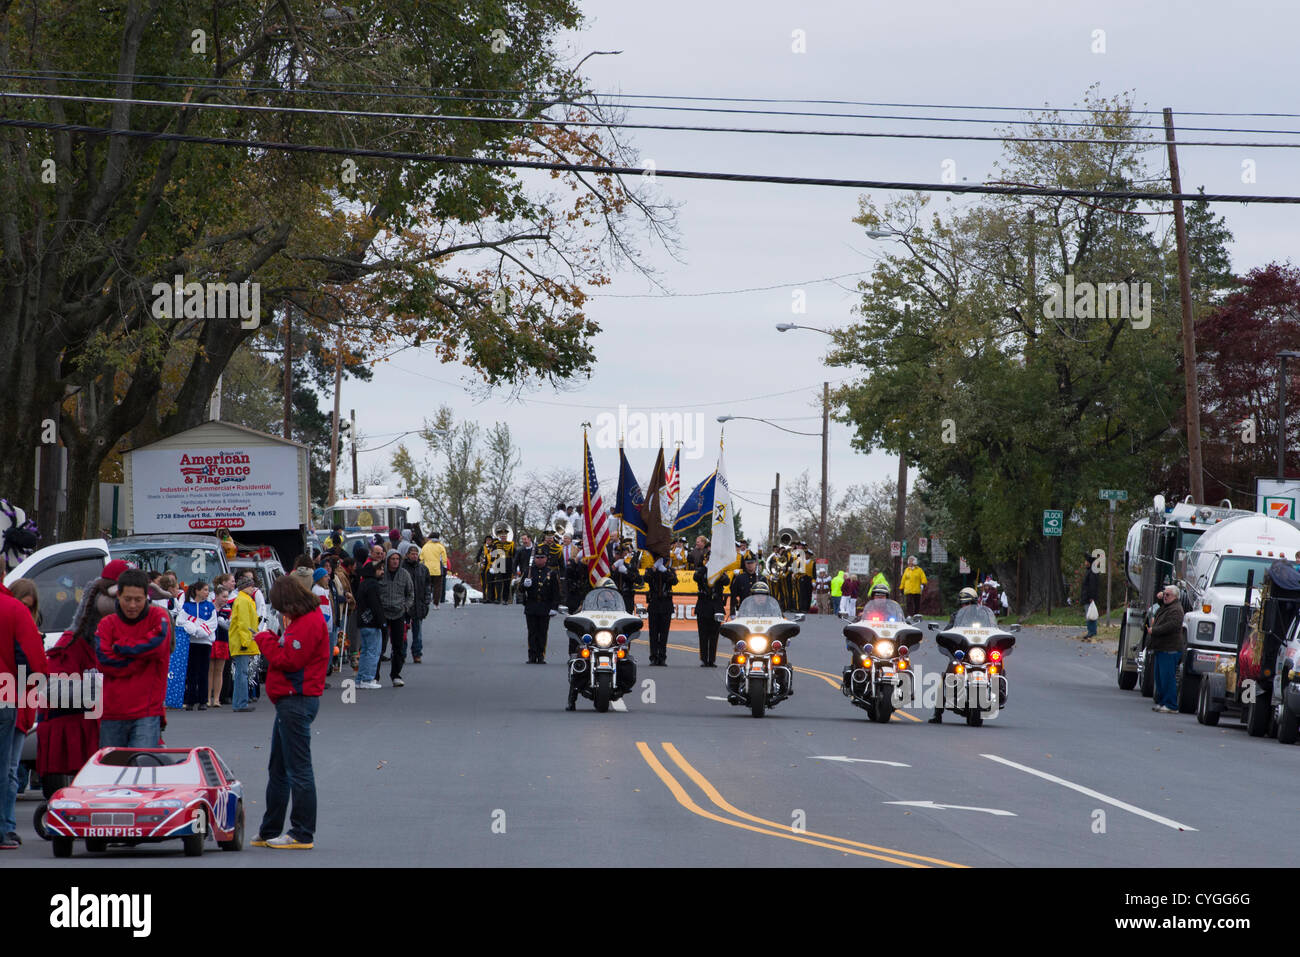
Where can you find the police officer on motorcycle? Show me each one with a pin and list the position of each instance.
(967, 596)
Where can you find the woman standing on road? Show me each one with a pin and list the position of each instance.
(220, 647)
(296, 677)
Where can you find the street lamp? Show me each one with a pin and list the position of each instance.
(1281, 409)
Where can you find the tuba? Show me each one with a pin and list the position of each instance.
(561, 527)
(503, 531)
(781, 558)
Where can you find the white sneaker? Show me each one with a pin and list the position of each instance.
(369, 685)
(398, 683)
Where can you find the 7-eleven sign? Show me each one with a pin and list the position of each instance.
(1279, 506)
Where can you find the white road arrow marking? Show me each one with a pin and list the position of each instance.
(618, 705)
(840, 757)
(1114, 802)
(954, 807)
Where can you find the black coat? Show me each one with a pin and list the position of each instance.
(712, 597)
(523, 559)
(1090, 587)
(543, 594)
(577, 583)
(741, 586)
(420, 579)
(370, 604)
(660, 597)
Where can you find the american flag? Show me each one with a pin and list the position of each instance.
(595, 522)
(672, 479)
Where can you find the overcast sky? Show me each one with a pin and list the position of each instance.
(712, 355)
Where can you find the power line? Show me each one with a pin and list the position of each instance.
(1129, 195)
(609, 124)
(522, 96)
(721, 292)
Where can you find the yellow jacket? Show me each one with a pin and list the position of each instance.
(913, 580)
(243, 625)
(434, 556)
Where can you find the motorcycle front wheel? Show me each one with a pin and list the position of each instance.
(604, 691)
(974, 718)
(757, 697)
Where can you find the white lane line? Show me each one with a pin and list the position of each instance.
(618, 705)
(953, 807)
(713, 697)
(840, 757)
(1114, 802)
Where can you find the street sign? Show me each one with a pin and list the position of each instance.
(1116, 494)
(904, 549)
(962, 567)
(1277, 497)
(938, 550)
(859, 564)
(1053, 521)
(895, 549)
(920, 546)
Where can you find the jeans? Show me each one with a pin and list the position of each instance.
(369, 653)
(239, 669)
(1166, 663)
(1092, 627)
(417, 643)
(290, 770)
(130, 732)
(11, 749)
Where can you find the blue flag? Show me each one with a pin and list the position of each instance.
(628, 499)
(697, 506)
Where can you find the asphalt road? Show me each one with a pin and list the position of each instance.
(476, 763)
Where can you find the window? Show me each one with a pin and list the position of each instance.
(882, 609)
(1232, 570)
(129, 768)
(60, 585)
(974, 616)
(759, 606)
(188, 563)
(603, 599)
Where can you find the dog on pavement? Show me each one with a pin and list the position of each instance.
(458, 594)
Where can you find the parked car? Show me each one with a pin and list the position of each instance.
(472, 594)
(147, 795)
(61, 573)
(189, 557)
(265, 570)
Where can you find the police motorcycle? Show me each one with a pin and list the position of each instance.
(602, 669)
(879, 676)
(975, 681)
(759, 675)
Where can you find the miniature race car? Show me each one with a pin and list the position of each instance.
(146, 795)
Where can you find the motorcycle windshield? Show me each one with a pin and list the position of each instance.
(881, 609)
(603, 599)
(974, 616)
(759, 606)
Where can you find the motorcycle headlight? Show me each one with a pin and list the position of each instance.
(977, 656)
(604, 638)
(757, 644)
(167, 802)
(63, 805)
(885, 648)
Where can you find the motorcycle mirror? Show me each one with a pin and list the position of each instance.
(719, 616)
(932, 625)
(564, 609)
(1013, 628)
(914, 620)
(799, 616)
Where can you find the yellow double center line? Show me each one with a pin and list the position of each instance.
(771, 828)
(830, 679)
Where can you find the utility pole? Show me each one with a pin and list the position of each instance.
(1191, 395)
(288, 373)
(826, 428)
(1110, 564)
(774, 518)
(900, 517)
(354, 453)
(334, 431)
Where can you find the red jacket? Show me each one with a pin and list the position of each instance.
(299, 659)
(20, 644)
(134, 660)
